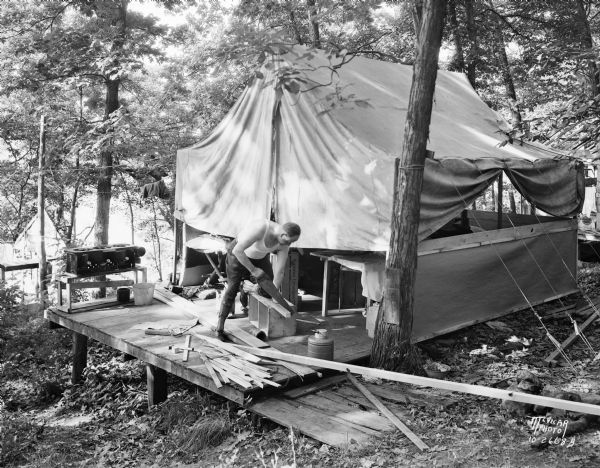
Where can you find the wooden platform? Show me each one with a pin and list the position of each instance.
(122, 327)
(336, 415)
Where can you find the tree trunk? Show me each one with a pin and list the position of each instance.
(458, 61)
(597, 199)
(392, 347)
(314, 24)
(72, 229)
(43, 286)
(293, 22)
(157, 249)
(105, 160)
(105, 163)
(130, 205)
(507, 78)
(587, 43)
(472, 54)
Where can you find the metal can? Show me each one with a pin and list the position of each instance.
(320, 345)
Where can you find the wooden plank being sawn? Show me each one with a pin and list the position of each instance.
(187, 307)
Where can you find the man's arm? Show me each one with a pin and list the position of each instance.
(279, 268)
(245, 239)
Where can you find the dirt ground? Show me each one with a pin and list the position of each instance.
(45, 421)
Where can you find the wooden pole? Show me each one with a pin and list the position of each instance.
(156, 379)
(43, 287)
(500, 192)
(178, 242)
(80, 346)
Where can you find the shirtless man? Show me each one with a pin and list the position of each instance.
(248, 255)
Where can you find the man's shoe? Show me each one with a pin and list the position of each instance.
(220, 335)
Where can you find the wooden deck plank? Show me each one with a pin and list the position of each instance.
(353, 396)
(315, 386)
(350, 337)
(366, 421)
(310, 421)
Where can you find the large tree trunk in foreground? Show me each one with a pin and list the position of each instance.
(392, 347)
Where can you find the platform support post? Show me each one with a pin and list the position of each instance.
(157, 385)
(80, 345)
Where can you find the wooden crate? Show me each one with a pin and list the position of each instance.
(269, 317)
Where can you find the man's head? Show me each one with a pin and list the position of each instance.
(291, 233)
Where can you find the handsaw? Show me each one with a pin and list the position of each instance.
(267, 286)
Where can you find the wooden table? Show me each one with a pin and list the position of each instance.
(16, 265)
(73, 282)
(329, 256)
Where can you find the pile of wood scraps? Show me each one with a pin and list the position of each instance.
(227, 364)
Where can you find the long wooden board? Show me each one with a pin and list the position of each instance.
(386, 411)
(429, 382)
(313, 422)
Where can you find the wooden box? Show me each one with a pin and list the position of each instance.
(269, 317)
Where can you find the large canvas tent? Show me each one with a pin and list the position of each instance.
(313, 140)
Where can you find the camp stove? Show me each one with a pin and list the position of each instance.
(87, 261)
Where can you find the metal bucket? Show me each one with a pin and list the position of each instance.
(143, 293)
(123, 294)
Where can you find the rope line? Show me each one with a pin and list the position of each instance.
(577, 331)
(576, 328)
(554, 291)
(512, 277)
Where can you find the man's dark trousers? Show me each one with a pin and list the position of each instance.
(236, 273)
